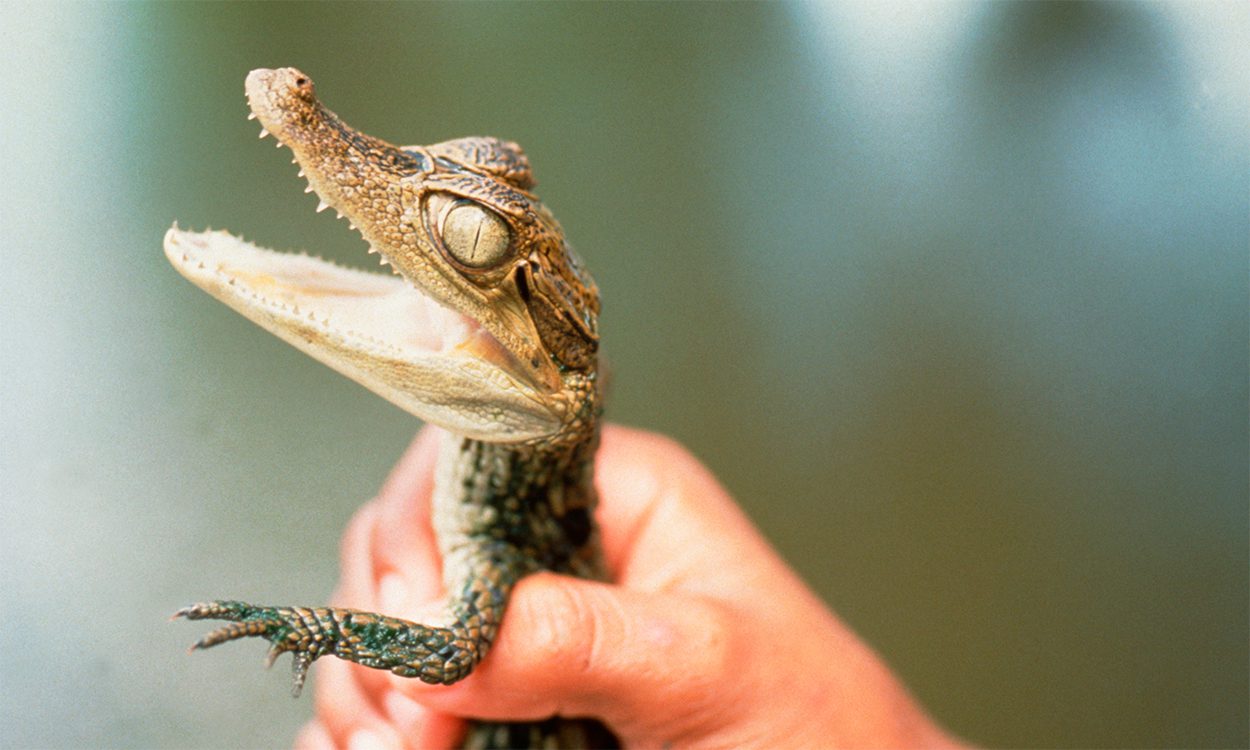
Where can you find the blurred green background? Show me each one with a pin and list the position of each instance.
(953, 297)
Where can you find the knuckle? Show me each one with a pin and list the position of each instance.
(664, 451)
(570, 625)
(710, 645)
(680, 473)
(561, 621)
(639, 451)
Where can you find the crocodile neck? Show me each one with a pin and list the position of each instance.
(537, 498)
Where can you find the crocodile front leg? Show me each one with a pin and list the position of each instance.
(433, 654)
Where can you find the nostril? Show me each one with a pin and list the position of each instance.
(301, 81)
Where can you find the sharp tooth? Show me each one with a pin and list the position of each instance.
(251, 115)
(338, 214)
(301, 173)
(277, 144)
(321, 206)
(351, 224)
(308, 189)
(263, 133)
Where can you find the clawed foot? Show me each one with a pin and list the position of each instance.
(300, 630)
(438, 655)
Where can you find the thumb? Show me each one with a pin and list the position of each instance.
(644, 663)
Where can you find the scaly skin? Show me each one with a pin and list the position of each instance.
(517, 392)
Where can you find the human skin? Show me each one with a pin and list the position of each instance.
(706, 639)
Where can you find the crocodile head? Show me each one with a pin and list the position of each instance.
(487, 325)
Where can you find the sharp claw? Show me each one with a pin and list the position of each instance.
(215, 610)
(234, 631)
(202, 643)
(197, 611)
(299, 672)
(274, 652)
(284, 627)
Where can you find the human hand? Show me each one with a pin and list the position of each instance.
(706, 638)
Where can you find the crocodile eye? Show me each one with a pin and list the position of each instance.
(474, 236)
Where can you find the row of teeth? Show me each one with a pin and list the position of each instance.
(321, 204)
(323, 321)
(280, 306)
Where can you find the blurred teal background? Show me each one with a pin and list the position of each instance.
(952, 296)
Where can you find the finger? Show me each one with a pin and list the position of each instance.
(313, 736)
(404, 542)
(374, 738)
(389, 563)
(647, 664)
(342, 691)
(397, 518)
(352, 710)
(408, 570)
(344, 709)
(408, 475)
(420, 727)
(357, 587)
(667, 523)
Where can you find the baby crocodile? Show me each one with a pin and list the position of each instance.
(487, 328)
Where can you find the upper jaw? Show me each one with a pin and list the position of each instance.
(345, 167)
(285, 103)
(266, 91)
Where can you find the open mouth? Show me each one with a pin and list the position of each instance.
(368, 311)
(377, 329)
(382, 330)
